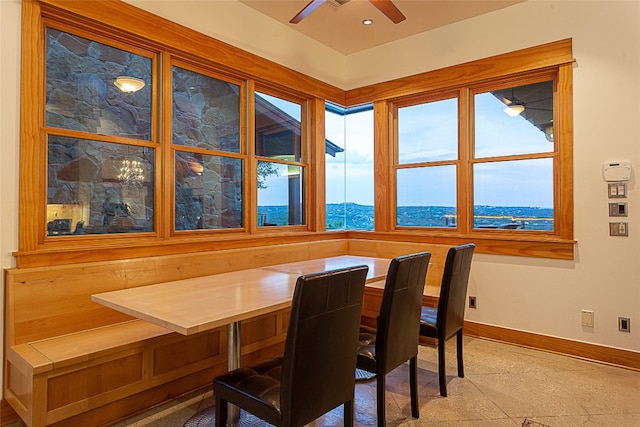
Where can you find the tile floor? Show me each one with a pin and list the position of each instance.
(504, 385)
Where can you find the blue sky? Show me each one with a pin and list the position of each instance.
(428, 133)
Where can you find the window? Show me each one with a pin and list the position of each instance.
(280, 168)
(100, 139)
(501, 172)
(143, 164)
(513, 157)
(208, 160)
(206, 154)
(426, 183)
(349, 167)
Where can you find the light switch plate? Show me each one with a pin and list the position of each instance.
(586, 318)
(618, 209)
(617, 190)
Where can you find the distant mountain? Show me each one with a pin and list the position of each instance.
(352, 216)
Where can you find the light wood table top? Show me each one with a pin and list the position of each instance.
(194, 305)
(378, 267)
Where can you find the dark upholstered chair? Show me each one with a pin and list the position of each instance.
(395, 339)
(447, 320)
(315, 374)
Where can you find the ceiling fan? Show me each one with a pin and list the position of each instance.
(385, 6)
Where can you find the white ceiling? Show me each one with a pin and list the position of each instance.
(341, 28)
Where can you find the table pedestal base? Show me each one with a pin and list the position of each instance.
(235, 417)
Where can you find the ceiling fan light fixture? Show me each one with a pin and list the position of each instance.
(514, 110)
(548, 133)
(337, 3)
(367, 21)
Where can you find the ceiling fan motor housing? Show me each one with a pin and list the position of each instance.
(337, 3)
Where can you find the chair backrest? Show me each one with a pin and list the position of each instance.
(319, 360)
(398, 324)
(453, 291)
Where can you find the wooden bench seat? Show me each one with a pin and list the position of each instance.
(79, 347)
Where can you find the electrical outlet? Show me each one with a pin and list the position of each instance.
(624, 324)
(587, 318)
(618, 229)
(472, 302)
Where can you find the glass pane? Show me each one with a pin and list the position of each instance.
(97, 187)
(280, 194)
(335, 171)
(428, 132)
(426, 197)
(208, 192)
(81, 90)
(349, 168)
(514, 195)
(278, 130)
(516, 120)
(206, 112)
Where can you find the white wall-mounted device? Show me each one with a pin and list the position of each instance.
(617, 171)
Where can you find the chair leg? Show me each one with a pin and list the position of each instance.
(348, 413)
(413, 383)
(459, 352)
(381, 386)
(221, 413)
(442, 369)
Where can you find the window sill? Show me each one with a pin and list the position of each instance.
(514, 245)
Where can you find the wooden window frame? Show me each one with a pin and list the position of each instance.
(171, 44)
(304, 162)
(552, 58)
(119, 21)
(460, 95)
(466, 160)
(170, 149)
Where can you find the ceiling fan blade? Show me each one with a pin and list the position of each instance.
(313, 5)
(389, 10)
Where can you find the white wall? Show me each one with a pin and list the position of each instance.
(536, 295)
(234, 23)
(9, 140)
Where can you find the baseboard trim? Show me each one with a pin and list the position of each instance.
(598, 353)
(9, 416)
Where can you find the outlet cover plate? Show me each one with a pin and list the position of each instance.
(624, 324)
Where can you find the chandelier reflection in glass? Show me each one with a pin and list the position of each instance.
(131, 173)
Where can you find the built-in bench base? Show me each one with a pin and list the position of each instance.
(70, 361)
(61, 380)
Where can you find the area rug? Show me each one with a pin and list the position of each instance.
(207, 418)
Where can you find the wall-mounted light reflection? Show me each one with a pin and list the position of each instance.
(129, 84)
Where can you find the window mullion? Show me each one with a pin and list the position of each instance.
(251, 171)
(385, 158)
(464, 165)
(165, 170)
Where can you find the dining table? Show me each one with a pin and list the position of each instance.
(198, 304)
